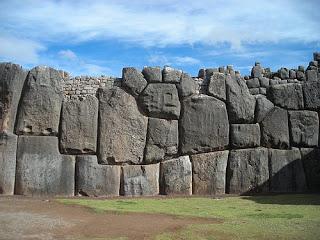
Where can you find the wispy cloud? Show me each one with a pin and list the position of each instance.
(186, 60)
(162, 59)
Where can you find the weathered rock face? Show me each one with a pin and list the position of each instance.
(122, 128)
(311, 92)
(12, 78)
(248, 171)
(203, 125)
(286, 171)
(217, 86)
(40, 104)
(288, 96)
(41, 170)
(263, 107)
(304, 128)
(244, 135)
(176, 176)
(256, 71)
(94, 179)
(162, 139)
(140, 180)
(161, 101)
(240, 103)
(187, 86)
(79, 126)
(171, 75)
(209, 172)
(311, 163)
(152, 74)
(133, 81)
(8, 147)
(275, 129)
(253, 83)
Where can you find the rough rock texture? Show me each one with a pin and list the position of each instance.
(311, 163)
(187, 86)
(275, 129)
(209, 172)
(162, 139)
(248, 171)
(41, 170)
(40, 104)
(304, 128)
(161, 101)
(12, 78)
(311, 92)
(133, 81)
(152, 74)
(256, 71)
(312, 75)
(286, 171)
(264, 82)
(244, 135)
(93, 179)
(217, 86)
(171, 75)
(122, 128)
(288, 96)
(140, 180)
(253, 83)
(8, 147)
(263, 107)
(176, 176)
(204, 125)
(240, 102)
(79, 124)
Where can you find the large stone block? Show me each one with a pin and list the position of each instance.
(248, 171)
(256, 71)
(253, 83)
(204, 125)
(12, 78)
(244, 135)
(240, 103)
(311, 92)
(152, 74)
(41, 169)
(311, 163)
(286, 171)
(287, 96)
(162, 139)
(171, 75)
(93, 179)
(8, 147)
(176, 176)
(187, 86)
(217, 86)
(79, 126)
(140, 180)
(122, 128)
(275, 129)
(133, 81)
(312, 75)
(263, 107)
(209, 172)
(40, 104)
(161, 100)
(304, 128)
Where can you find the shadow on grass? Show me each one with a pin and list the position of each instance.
(286, 199)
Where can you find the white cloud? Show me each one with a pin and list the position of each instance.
(68, 54)
(186, 60)
(161, 59)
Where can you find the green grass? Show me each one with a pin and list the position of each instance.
(259, 217)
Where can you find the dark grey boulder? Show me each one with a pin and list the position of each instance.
(275, 129)
(301, 75)
(93, 179)
(217, 86)
(203, 125)
(140, 180)
(311, 163)
(311, 92)
(41, 169)
(8, 147)
(122, 128)
(187, 86)
(263, 107)
(304, 128)
(254, 91)
(12, 78)
(133, 81)
(287, 96)
(264, 82)
(316, 56)
(286, 171)
(248, 171)
(283, 73)
(274, 82)
(253, 83)
(152, 74)
(79, 126)
(171, 75)
(263, 91)
(256, 71)
(162, 139)
(244, 135)
(160, 100)
(292, 74)
(240, 102)
(209, 173)
(176, 176)
(40, 104)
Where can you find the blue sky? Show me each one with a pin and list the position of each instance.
(100, 37)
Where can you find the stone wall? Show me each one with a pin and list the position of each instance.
(159, 131)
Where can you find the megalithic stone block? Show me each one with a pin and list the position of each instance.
(133, 81)
(244, 135)
(8, 147)
(41, 169)
(311, 162)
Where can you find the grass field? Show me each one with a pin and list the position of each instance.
(252, 217)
